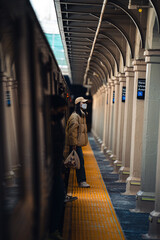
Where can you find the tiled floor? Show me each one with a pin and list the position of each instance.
(92, 216)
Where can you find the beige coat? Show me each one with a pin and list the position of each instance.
(76, 130)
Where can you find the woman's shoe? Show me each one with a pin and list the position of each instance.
(84, 185)
(55, 236)
(69, 198)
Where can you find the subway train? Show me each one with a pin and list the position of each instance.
(29, 73)
(113, 49)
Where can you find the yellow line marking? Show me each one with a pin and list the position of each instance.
(92, 216)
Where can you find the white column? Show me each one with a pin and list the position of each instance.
(111, 115)
(102, 106)
(108, 115)
(154, 218)
(134, 180)
(9, 174)
(118, 161)
(146, 196)
(99, 119)
(13, 125)
(105, 118)
(94, 115)
(125, 169)
(112, 157)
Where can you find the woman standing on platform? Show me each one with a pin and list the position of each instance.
(76, 134)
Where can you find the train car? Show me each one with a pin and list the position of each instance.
(29, 74)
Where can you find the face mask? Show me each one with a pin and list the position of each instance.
(57, 117)
(84, 106)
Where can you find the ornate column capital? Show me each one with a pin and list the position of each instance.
(129, 71)
(3, 76)
(139, 65)
(152, 56)
(116, 80)
(121, 77)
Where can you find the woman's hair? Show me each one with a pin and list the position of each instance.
(57, 101)
(78, 109)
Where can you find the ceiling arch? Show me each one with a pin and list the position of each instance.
(97, 65)
(98, 71)
(99, 52)
(96, 82)
(102, 65)
(120, 49)
(156, 6)
(99, 39)
(95, 76)
(132, 17)
(121, 30)
(111, 52)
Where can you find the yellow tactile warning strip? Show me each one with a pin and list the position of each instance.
(92, 216)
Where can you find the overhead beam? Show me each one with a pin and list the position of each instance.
(105, 57)
(98, 74)
(114, 42)
(121, 30)
(110, 52)
(65, 19)
(98, 66)
(95, 37)
(79, 3)
(132, 17)
(102, 66)
(117, 45)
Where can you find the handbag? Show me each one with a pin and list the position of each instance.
(72, 161)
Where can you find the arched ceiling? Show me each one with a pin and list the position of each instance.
(95, 34)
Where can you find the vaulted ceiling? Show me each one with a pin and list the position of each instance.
(95, 34)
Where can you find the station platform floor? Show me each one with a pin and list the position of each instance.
(101, 212)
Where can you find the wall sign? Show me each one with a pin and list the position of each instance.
(123, 94)
(113, 96)
(141, 88)
(8, 98)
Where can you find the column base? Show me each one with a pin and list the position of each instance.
(123, 174)
(145, 202)
(99, 141)
(154, 223)
(117, 165)
(10, 179)
(132, 186)
(16, 170)
(105, 150)
(102, 147)
(109, 153)
(112, 158)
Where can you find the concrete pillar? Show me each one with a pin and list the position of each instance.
(111, 114)
(112, 157)
(13, 127)
(134, 180)
(108, 115)
(99, 117)
(125, 169)
(146, 196)
(103, 147)
(94, 115)
(9, 174)
(120, 127)
(154, 218)
(116, 111)
(101, 120)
